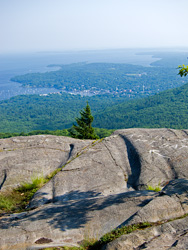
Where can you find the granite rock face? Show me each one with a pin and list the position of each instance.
(22, 158)
(159, 154)
(128, 160)
(172, 235)
(101, 187)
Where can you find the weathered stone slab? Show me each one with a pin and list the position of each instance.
(158, 155)
(128, 160)
(72, 221)
(22, 158)
(95, 172)
(171, 235)
(170, 203)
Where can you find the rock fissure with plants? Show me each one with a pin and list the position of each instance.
(17, 200)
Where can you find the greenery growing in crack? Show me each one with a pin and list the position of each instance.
(156, 188)
(93, 244)
(17, 200)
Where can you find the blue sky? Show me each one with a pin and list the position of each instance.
(54, 25)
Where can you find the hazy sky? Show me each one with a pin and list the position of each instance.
(41, 25)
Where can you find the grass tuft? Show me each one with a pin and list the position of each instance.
(116, 233)
(156, 189)
(6, 203)
(35, 183)
(18, 199)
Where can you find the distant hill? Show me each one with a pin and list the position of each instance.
(52, 112)
(167, 109)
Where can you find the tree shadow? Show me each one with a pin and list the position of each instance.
(177, 186)
(74, 214)
(73, 211)
(76, 195)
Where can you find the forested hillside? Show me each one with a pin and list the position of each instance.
(55, 111)
(167, 109)
(52, 112)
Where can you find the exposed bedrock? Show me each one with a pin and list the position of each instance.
(23, 158)
(101, 187)
(128, 160)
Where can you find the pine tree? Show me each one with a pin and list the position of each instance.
(83, 129)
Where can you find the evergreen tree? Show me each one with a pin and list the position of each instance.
(83, 129)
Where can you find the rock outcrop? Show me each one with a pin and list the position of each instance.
(22, 158)
(102, 186)
(172, 235)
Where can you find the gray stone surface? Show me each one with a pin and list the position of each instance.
(128, 160)
(101, 188)
(23, 158)
(171, 203)
(159, 155)
(71, 221)
(172, 236)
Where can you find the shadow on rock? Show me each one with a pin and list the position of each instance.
(177, 186)
(74, 214)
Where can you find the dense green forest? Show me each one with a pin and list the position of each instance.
(57, 112)
(52, 112)
(167, 109)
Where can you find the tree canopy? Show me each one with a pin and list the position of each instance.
(84, 129)
(183, 70)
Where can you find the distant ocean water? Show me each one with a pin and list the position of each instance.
(19, 64)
